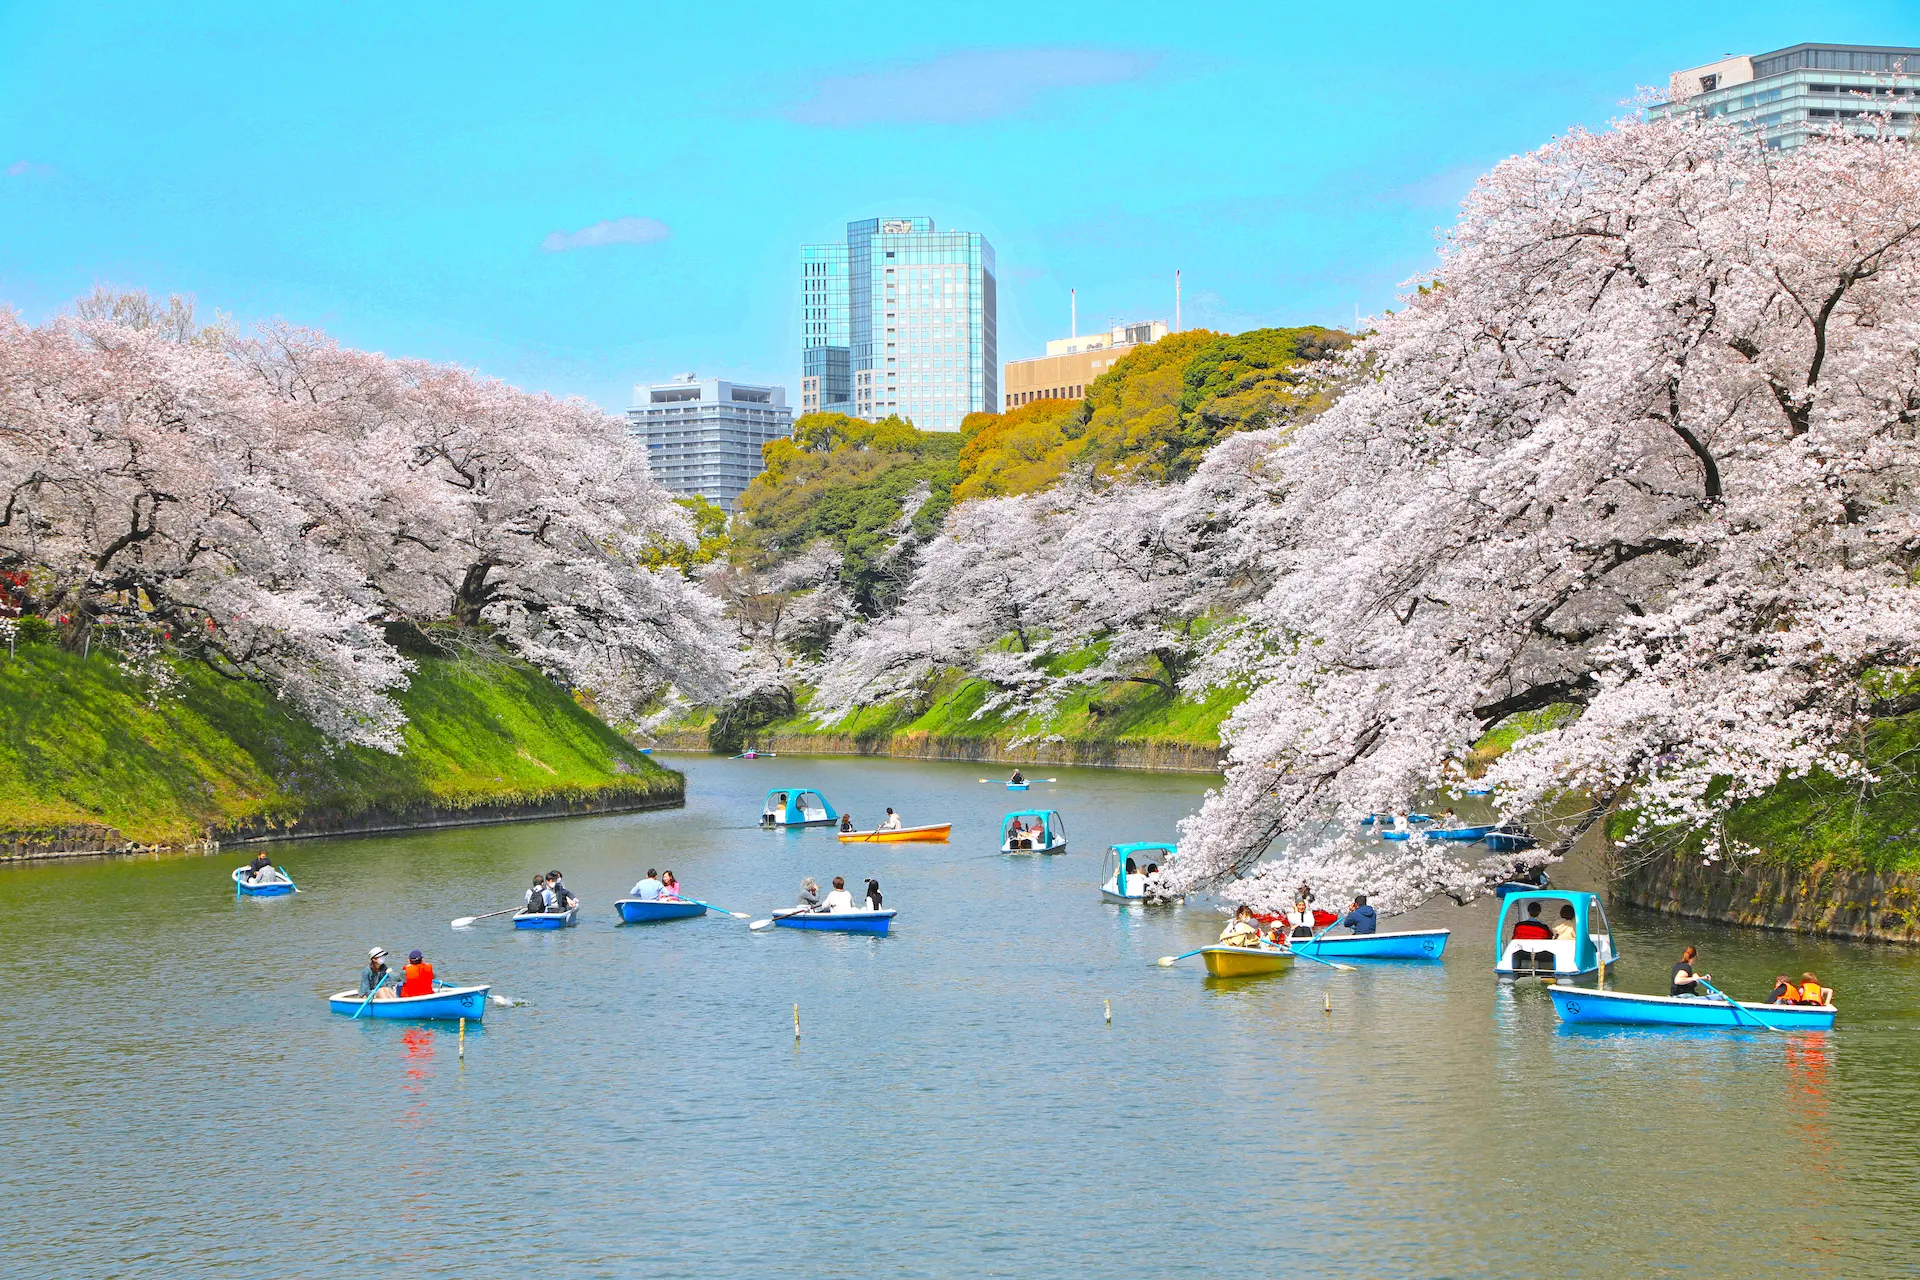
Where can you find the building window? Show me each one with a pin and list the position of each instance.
(1709, 83)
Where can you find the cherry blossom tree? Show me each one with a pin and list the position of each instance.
(1647, 447)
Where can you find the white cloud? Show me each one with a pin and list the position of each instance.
(612, 231)
(962, 87)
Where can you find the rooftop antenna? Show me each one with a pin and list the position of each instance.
(1176, 301)
(1073, 310)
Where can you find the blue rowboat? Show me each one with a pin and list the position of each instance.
(1401, 835)
(645, 911)
(1375, 819)
(1508, 840)
(838, 921)
(1464, 833)
(546, 919)
(447, 1002)
(1413, 944)
(272, 889)
(1017, 786)
(1576, 1004)
(1519, 886)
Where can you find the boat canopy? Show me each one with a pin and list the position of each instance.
(1142, 854)
(1591, 932)
(796, 806)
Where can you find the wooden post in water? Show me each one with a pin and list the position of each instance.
(463, 1039)
(1109, 1012)
(796, 1022)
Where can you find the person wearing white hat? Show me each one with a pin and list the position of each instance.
(377, 971)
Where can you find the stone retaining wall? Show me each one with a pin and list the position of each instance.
(1816, 899)
(1163, 756)
(95, 841)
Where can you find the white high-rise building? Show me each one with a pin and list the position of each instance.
(704, 436)
(1790, 94)
(901, 319)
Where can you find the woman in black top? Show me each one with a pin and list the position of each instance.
(1685, 980)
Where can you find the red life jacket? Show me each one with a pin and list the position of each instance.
(418, 981)
(1532, 929)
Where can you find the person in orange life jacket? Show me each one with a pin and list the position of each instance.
(1811, 992)
(1533, 926)
(1784, 991)
(418, 977)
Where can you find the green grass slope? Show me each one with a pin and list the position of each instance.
(81, 743)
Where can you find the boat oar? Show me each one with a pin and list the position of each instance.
(1735, 1006)
(1166, 962)
(1344, 968)
(737, 915)
(283, 871)
(778, 915)
(464, 921)
(369, 1000)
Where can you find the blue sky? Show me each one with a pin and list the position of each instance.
(577, 197)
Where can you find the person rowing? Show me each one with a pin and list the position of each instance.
(1360, 917)
(1018, 778)
(378, 976)
(1686, 978)
(893, 820)
(559, 899)
(257, 869)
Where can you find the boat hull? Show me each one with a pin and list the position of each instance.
(1578, 1004)
(448, 1002)
(547, 919)
(1018, 786)
(1244, 962)
(838, 921)
(1028, 846)
(278, 889)
(932, 833)
(1422, 944)
(1466, 835)
(645, 911)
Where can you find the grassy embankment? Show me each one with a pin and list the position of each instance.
(81, 745)
(1140, 723)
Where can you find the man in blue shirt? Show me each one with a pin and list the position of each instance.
(1360, 917)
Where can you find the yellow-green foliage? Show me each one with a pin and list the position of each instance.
(1154, 414)
(80, 743)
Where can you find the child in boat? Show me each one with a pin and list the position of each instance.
(1811, 992)
(1241, 931)
(418, 978)
(846, 822)
(1785, 991)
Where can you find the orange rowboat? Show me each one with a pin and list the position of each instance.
(938, 832)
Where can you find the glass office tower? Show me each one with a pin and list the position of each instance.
(911, 315)
(1791, 94)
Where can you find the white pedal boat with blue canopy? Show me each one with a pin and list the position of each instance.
(445, 1002)
(796, 807)
(1033, 831)
(1520, 952)
(1126, 876)
(1582, 1004)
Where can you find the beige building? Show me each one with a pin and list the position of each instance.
(1071, 363)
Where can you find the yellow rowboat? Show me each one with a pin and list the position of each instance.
(938, 831)
(1244, 962)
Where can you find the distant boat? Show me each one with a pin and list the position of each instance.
(1418, 944)
(282, 884)
(1048, 834)
(796, 807)
(546, 919)
(837, 921)
(1017, 786)
(931, 833)
(447, 1002)
(654, 910)
(1245, 962)
(1510, 840)
(1467, 834)
(753, 755)
(1582, 1004)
